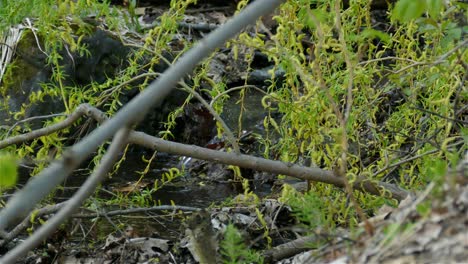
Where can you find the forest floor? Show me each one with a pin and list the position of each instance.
(414, 232)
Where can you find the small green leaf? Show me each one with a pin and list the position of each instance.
(424, 208)
(370, 33)
(407, 10)
(8, 170)
(434, 7)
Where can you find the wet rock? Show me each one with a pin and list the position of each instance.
(30, 71)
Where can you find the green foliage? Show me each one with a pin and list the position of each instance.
(234, 250)
(167, 177)
(328, 53)
(407, 10)
(62, 25)
(308, 208)
(424, 208)
(394, 229)
(396, 89)
(8, 170)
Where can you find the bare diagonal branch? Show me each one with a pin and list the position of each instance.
(132, 113)
(111, 156)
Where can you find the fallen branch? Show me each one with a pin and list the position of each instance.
(241, 160)
(261, 164)
(289, 249)
(49, 209)
(118, 143)
(131, 114)
(139, 210)
(79, 112)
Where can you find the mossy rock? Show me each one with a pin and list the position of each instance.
(29, 73)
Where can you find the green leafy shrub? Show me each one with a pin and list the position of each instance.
(355, 98)
(8, 170)
(394, 89)
(234, 250)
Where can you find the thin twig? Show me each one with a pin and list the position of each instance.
(345, 117)
(87, 189)
(227, 130)
(365, 63)
(31, 119)
(33, 30)
(439, 115)
(440, 60)
(49, 209)
(208, 9)
(139, 210)
(71, 118)
(235, 89)
(413, 158)
(246, 161)
(105, 94)
(129, 115)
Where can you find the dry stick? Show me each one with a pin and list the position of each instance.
(208, 9)
(289, 249)
(396, 164)
(227, 130)
(190, 26)
(453, 120)
(139, 210)
(193, 151)
(71, 118)
(107, 93)
(344, 119)
(440, 60)
(111, 156)
(81, 110)
(385, 244)
(235, 89)
(279, 167)
(246, 161)
(49, 209)
(132, 113)
(305, 173)
(30, 119)
(365, 63)
(415, 63)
